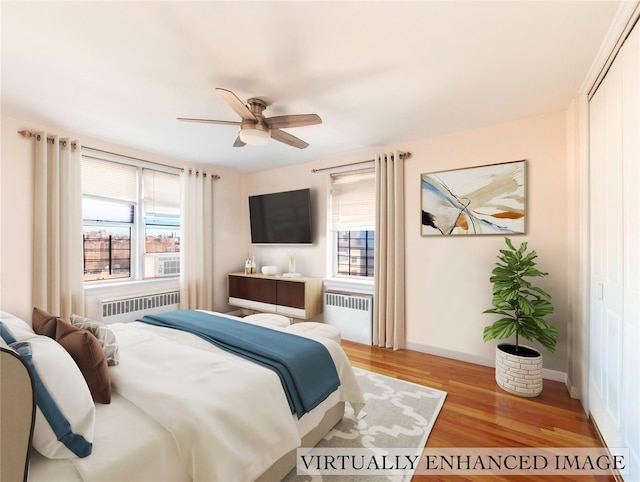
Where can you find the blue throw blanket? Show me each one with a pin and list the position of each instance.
(305, 367)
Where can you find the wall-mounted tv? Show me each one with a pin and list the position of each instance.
(281, 217)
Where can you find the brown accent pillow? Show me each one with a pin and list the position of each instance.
(86, 351)
(44, 323)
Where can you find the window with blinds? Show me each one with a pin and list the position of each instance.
(353, 201)
(161, 201)
(131, 221)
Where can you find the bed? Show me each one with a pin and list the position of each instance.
(183, 409)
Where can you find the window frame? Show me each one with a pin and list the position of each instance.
(333, 233)
(110, 224)
(138, 226)
(367, 258)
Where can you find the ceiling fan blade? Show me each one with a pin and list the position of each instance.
(298, 120)
(239, 143)
(210, 121)
(236, 104)
(287, 138)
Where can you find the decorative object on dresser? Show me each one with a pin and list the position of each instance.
(299, 297)
(269, 270)
(292, 263)
(523, 308)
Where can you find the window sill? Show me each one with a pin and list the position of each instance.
(134, 287)
(363, 286)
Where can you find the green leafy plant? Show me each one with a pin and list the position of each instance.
(521, 305)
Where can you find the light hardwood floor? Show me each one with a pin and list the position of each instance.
(477, 413)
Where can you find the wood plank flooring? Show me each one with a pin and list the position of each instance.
(477, 413)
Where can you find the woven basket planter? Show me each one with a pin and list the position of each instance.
(519, 374)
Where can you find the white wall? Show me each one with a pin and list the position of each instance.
(578, 249)
(16, 218)
(310, 260)
(447, 278)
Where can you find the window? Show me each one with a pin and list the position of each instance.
(355, 253)
(161, 203)
(131, 221)
(353, 223)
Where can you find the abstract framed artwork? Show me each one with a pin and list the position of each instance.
(474, 201)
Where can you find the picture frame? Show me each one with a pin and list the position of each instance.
(481, 200)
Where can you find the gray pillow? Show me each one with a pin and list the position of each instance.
(105, 336)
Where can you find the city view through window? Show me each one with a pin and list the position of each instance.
(355, 253)
(107, 251)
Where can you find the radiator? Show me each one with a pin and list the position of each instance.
(130, 308)
(351, 313)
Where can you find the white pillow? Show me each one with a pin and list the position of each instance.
(65, 414)
(105, 336)
(20, 329)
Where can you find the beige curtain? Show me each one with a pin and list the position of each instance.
(57, 229)
(196, 238)
(389, 291)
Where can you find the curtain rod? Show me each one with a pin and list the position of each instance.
(402, 155)
(26, 133)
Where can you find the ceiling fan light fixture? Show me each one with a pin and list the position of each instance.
(255, 137)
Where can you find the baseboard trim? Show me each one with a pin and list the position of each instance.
(596, 429)
(547, 373)
(574, 392)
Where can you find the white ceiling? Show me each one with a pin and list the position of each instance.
(377, 73)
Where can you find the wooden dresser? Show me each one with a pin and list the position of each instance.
(295, 297)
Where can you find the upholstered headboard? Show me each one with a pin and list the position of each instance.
(17, 415)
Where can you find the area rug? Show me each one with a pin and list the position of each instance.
(397, 414)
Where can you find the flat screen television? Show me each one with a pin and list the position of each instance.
(281, 217)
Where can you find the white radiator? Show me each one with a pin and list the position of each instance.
(116, 310)
(351, 313)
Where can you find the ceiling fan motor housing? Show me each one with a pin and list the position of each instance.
(256, 106)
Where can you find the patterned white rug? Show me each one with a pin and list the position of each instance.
(397, 414)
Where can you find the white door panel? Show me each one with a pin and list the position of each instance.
(614, 260)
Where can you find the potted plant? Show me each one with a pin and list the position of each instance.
(522, 308)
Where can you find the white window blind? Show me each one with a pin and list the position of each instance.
(110, 180)
(353, 201)
(161, 197)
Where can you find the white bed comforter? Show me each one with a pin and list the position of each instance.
(229, 417)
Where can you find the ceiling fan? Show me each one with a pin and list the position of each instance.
(255, 128)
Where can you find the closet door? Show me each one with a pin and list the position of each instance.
(631, 230)
(614, 351)
(606, 286)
